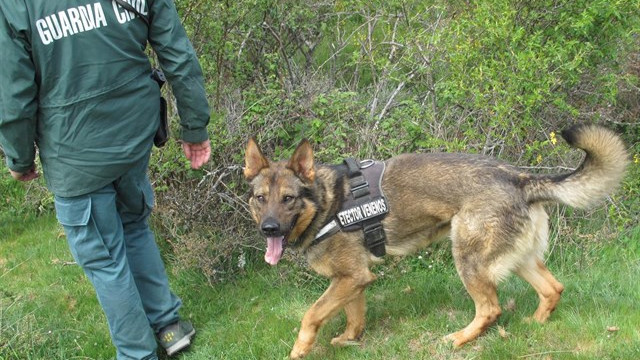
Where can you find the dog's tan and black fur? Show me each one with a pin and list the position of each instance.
(492, 211)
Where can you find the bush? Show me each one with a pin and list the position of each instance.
(374, 79)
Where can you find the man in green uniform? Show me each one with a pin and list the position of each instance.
(76, 83)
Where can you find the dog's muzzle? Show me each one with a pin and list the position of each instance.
(271, 227)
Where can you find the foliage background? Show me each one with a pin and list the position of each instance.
(376, 78)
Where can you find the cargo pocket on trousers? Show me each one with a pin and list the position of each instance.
(73, 211)
(84, 241)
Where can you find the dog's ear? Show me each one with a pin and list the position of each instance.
(254, 160)
(301, 162)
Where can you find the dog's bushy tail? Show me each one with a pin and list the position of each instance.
(599, 174)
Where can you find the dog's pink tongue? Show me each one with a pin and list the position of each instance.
(274, 250)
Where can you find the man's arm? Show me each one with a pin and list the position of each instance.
(18, 94)
(182, 69)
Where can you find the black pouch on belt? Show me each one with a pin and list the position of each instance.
(162, 134)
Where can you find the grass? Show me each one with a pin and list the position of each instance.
(48, 309)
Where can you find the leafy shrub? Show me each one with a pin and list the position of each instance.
(376, 78)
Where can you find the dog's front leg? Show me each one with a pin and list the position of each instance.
(355, 311)
(343, 290)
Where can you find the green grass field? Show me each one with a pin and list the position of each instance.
(48, 309)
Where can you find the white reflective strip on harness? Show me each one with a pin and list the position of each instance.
(332, 225)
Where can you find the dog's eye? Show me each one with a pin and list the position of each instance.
(260, 198)
(287, 198)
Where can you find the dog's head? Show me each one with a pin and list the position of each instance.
(281, 200)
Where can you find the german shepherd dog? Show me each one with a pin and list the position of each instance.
(493, 213)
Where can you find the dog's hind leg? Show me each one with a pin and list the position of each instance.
(547, 287)
(342, 292)
(471, 238)
(533, 270)
(355, 311)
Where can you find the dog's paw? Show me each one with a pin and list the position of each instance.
(447, 339)
(533, 319)
(299, 351)
(344, 341)
(456, 339)
(296, 355)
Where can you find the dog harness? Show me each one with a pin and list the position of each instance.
(364, 207)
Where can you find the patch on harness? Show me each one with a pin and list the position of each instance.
(363, 212)
(363, 208)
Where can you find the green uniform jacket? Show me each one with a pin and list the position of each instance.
(75, 80)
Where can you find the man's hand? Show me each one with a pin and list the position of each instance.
(198, 154)
(25, 176)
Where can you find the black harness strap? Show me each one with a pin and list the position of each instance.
(359, 185)
(375, 238)
(374, 235)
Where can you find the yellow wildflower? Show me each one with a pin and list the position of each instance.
(539, 158)
(636, 159)
(553, 138)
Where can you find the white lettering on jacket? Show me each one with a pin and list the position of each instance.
(83, 18)
(124, 15)
(70, 22)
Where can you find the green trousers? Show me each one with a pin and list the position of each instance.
(110, 238)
